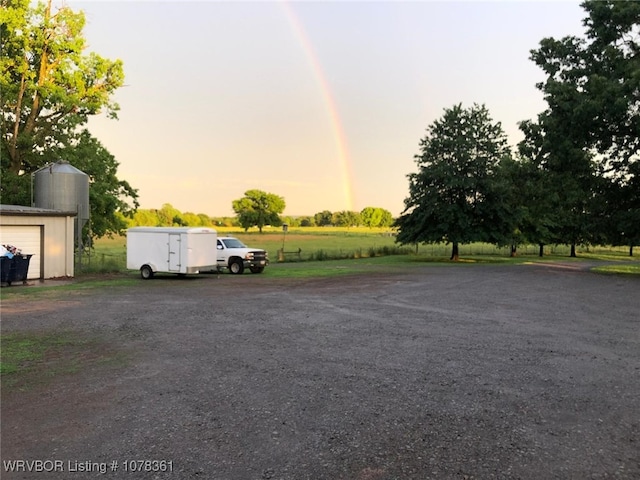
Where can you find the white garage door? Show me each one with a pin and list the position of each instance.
(27, 239)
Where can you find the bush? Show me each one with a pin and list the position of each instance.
(320, 255)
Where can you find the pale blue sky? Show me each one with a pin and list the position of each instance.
(223, 97)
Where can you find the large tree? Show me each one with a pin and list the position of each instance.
(376, 217)
(346, 218)
(562, 182)
(324, 218)
(258, 208)
(591, 128)
(50, 87)
(456, 195)
(535, 189)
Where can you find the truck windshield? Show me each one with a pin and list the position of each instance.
(233, 243)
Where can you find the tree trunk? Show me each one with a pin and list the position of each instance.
(573, 250)
(514, 248)
(455, 254)
(541, 250)
(16, 161)
(631, 250)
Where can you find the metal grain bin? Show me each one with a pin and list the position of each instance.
(61, 186)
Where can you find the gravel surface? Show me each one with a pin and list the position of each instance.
(438, 372)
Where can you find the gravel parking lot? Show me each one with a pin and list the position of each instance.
(438, 372)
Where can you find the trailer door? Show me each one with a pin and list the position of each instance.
(174, 252)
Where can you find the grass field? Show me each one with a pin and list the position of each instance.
(333, 243)
(304, 245)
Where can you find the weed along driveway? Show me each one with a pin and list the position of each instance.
(442, 372)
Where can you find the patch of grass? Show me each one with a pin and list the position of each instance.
(22, 351)
(624, 269)
(28, 359)
(105, 264)
(81, 282)
(387, 264)
(315, 243)
(604, 254)
(346, 266)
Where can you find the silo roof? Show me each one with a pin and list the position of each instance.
(61, 167)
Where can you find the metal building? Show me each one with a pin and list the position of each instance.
(46, 234)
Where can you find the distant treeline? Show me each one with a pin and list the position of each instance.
(168, 216)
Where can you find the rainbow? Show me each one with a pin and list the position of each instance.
(329, 102)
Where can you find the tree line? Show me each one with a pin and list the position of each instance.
(169, 216)
(258, 208)
(574, 179)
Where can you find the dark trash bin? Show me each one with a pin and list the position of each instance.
(5, 269)
(19, 268)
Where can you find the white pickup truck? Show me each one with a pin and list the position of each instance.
(236, 256)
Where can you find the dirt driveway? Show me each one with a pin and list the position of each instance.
(461, 372)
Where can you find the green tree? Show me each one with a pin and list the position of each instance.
(324, 218)
(258, 208)
(608, 67)
(556, 183)
(206, 220)
(454, 196)
(535, 188)
(517, 190)
(169, 216)
(307, 222)
(387, 219)
(619, 210)
(564, 156)
(145, 218)
(371, 216)
(346, 218)
(50, 87)
(376, 217)
(108, 196)
(591, 127)
(190, 219)
(291, 221)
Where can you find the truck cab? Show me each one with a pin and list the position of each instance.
(236, 256)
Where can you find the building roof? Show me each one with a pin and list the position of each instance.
(21, 210)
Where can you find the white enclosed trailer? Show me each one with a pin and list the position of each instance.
(179, 250)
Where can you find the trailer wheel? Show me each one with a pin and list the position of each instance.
(236, 267)
(256, 269)
(146, 272)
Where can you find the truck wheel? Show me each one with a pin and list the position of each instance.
(256, 269)
(236, 267)
(145, 272)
